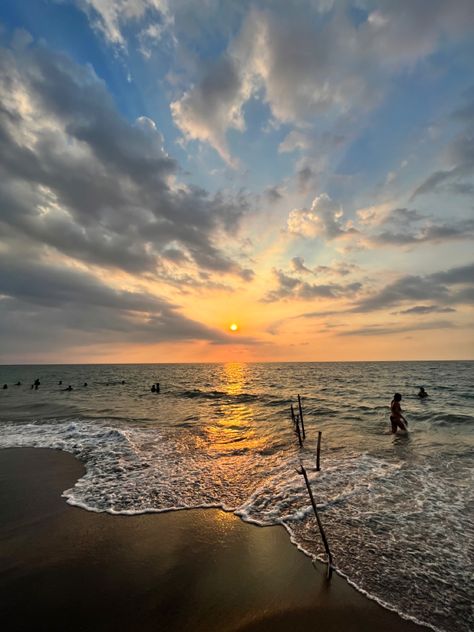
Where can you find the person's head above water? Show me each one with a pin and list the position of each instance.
(397, 397)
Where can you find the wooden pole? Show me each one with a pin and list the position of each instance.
(321, 529)
(293, 415)
(301, 416)
(297, 430)
(318, 451)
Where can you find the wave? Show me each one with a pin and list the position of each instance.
(373, 501)
(448, 419)
(216, 395)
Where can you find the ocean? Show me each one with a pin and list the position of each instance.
(397, 510)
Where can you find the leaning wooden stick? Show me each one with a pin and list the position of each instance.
(297, 430)
(321, 530)
(301, 417)
(318, 451)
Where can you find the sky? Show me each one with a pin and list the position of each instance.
(303, 169)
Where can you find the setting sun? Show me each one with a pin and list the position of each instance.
(234, 327)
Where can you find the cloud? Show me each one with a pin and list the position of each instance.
(391, 329)
(297, 265)
(456, 231)
(458, 158)
(273, 194)
(426, 309)
(291, 287)
(207, 110)
(449, 287)
(78, 177)
(431, 287)
(111, 16)
(314, 64)
(44, 306)
(323, 219)
(405, 227)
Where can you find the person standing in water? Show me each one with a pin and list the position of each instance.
(396, 418)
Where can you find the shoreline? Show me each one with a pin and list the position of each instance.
(199, 569)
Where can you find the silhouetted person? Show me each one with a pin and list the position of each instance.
(32, 386)
(69, 388)
(60, 382)
(85, 383)
(422, 393)
(123, 381)
(397, 419)
(36, 383)
(157, 387)
(153, 388)
(5, 386)
(18, 384)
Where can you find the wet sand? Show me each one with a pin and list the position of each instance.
(64, 568)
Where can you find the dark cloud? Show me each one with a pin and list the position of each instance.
(386, 330)
(297, 265)
(403, 226)
(338, 269)
(447, 288)
(426, 309)
(44, 305)
(403, 216)
(305, 178)
(273, 194)
(455, 276)
(459, 158)
(291, 287)
(212, 105)
(457, 231)
(78, 177)
(432, 287)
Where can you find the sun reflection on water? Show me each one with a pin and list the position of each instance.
(234, 377)
(232, 432)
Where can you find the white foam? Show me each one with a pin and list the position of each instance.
(378, 513)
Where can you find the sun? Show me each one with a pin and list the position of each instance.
(234, 327)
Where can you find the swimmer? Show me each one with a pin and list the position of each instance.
(422, 393)
(69, 388)
(5, 386)
(153, 389)
(396, 418)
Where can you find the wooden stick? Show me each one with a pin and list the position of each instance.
(297, 429)
(301, 416)
(293, 414)
(318, 451)
(321, 530)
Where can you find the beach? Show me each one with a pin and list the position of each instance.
(67, 568)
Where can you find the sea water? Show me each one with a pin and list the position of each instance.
(397, 510)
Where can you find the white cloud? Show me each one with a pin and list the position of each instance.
(323, 219)
(206, 111)
(110, 16)
(306, 70)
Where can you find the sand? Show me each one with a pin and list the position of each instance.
(64, 568)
